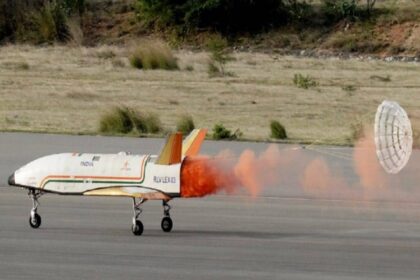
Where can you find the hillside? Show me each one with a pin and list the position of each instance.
(393, 31)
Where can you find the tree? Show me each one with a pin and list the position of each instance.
(369, 5)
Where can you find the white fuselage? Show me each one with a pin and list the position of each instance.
(101, 174)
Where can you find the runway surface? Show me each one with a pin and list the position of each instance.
(284, 234)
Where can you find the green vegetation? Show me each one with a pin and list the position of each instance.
(357, 129)
(219, 56)
(185, 124)
(304, 82)
(118, 120)
(385, 79)
(153, 55)
(123, 120)
(277, 130)
(37, 21)
(221, 132)
(349, 89)
(223, 15)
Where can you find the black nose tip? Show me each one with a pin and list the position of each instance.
(12, 179)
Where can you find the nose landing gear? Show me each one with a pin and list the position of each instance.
(35, 218)
(137, 227)
(166, 223)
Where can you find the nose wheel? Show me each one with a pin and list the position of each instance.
(166, 223)
(34, 218)
(137, 227)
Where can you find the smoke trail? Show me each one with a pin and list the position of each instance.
(366, 164)
(201, 176)
(250, 173)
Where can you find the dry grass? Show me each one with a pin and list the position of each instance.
(66, 90)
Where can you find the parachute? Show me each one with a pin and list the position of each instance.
(393, 136)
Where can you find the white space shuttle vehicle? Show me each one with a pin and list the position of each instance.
(140, 177)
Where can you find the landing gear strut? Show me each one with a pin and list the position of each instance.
(35, 218)
(166, 223)
(137, 227)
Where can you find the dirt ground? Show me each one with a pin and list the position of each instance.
(65, 89)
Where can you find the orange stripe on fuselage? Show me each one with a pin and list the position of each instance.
(96, 177)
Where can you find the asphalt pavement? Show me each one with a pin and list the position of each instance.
(285, 233)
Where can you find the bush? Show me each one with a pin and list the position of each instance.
(118, 120)
(153, 55)
(219, 56)
(37, 21)
(304, 82)
(227, 16)
(336, 10)
(185, 124)
(357, 131)
(277, 130)
(126, 120)
(52, 22)
(221, 132)
(153, 123)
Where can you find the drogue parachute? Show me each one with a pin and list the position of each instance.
(393, 136)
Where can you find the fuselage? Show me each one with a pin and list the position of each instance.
(119, 174)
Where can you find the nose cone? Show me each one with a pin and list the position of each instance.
(12, 180)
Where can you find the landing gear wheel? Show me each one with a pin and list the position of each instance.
(137, 228)
(35, 221)
(166, 224)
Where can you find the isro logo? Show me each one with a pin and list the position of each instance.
(164, 179)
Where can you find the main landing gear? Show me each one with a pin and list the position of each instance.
(35, 218)
(137, 227)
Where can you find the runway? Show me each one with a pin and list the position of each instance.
(283, 234)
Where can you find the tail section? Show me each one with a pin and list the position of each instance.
(192, 143)
(171, 152)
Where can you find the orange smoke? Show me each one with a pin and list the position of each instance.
(366, 163)
(301, 172)
(201, 176)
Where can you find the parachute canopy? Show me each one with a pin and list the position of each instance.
(393, 136)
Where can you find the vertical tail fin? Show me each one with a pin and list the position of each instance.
(171, 152)
(192, 143)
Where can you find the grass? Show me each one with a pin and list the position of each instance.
(221, 132)
(278, 131)
(304, 82)
(124, 120)
(151, 55)
(67, 90)
(185, 124)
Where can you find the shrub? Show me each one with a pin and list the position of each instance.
(336, 10)
(52, 22)
(357, 131)
(277, 130)
(219, 56)
(227, 16)
(221, 132)
(118, 120)
(37, 21)
(185, 124)
(304, 82)
(153, 55)
(126, 120)
(153, 123)
(386, 78)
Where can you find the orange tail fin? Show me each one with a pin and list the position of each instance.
(171, 152)
(192, 143)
